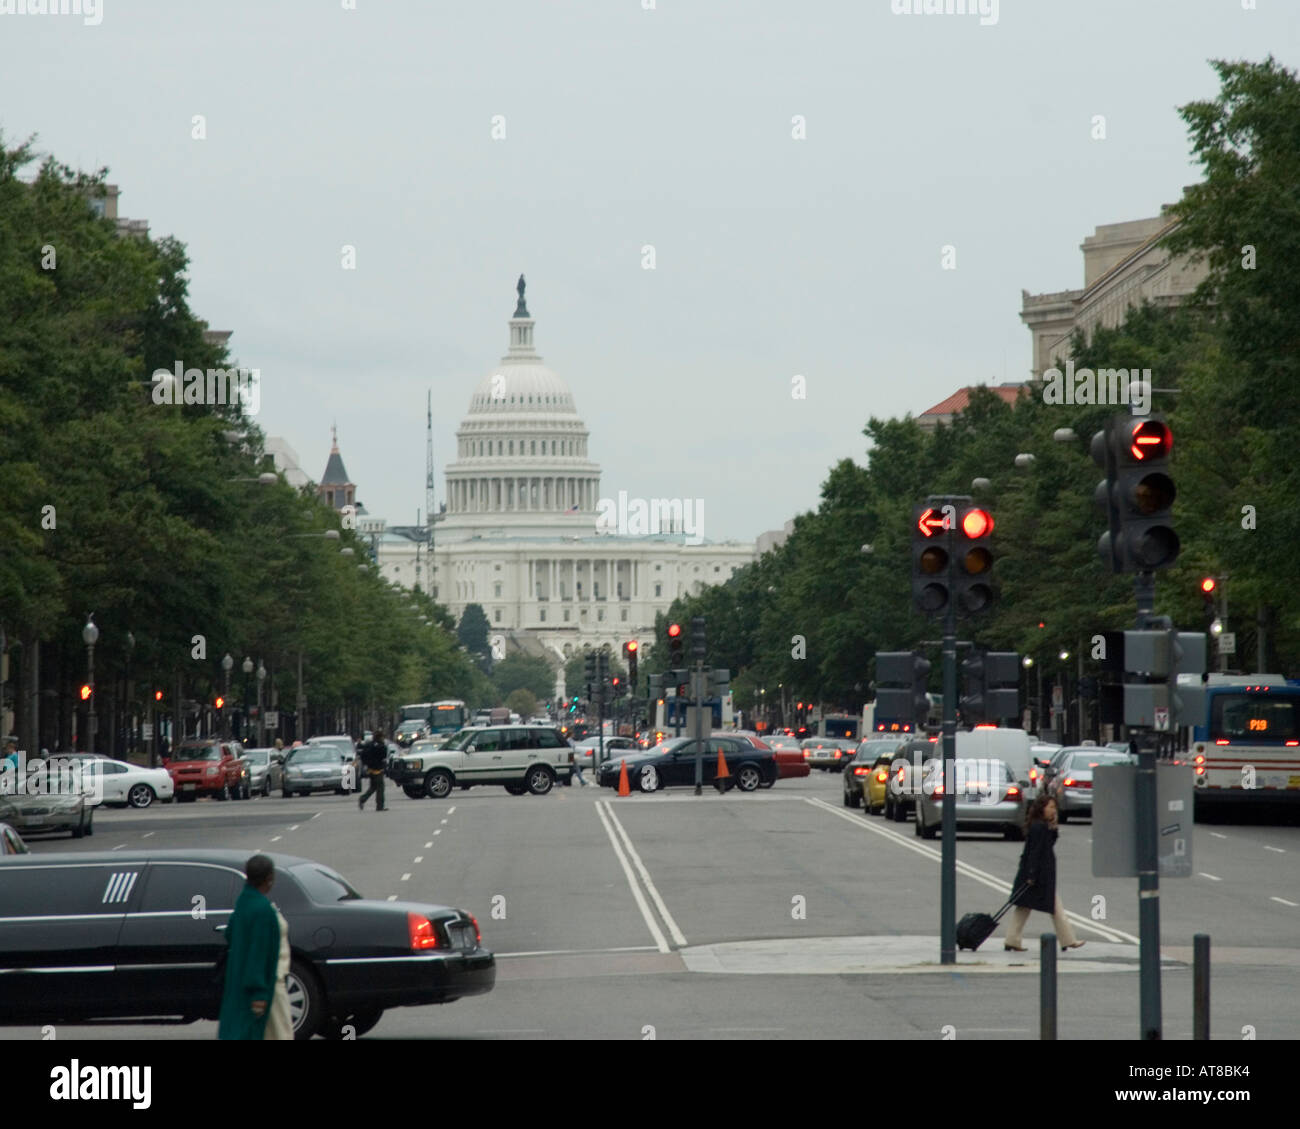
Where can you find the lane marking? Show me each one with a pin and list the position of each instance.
(1285, 902)
(392, 897)
(645, 877)
(660, 943)
(406, 877)
(418, 858)
(451, 811)
(276, 838)
(428, 845)
(147, 834)
(119, 846)
(510, 1031)
(444, 821)
(1211, 877)
(1217, 835)
(1279, 850)
(438, 832)
(294, 827)
(990, 880)
(580, 952)
(316, 816)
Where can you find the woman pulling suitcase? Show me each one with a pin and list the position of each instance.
(1035, 883)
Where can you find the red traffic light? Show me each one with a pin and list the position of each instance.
(929, 524)
(1150, 439)
(1208, 585)
(615, 680)
(157, 695)
(219, 703)
(977, 523)
(674, 630)
(86, 691)
(632, 647)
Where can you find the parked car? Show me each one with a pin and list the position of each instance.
(90, 937)
(129, 785)
(316, 768)
(265, 770)
(989, 798)
(11, 843)
(830, 754)
(205, 766)
(44, 814)
(1071, 785)
(521, 758)
(672, 763)
(866, 759)
(906, 769)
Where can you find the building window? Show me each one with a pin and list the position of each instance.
(717, 568)
(600, 615)
(623, 615)
(512, 446)
(659, 568)
(541, 615)
(659, 591)
(498, 615)
(566, 615)
(532, 447)
(497, 593)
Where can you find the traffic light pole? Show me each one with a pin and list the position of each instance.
(1148, 864)
(698, 697)
(948, 863)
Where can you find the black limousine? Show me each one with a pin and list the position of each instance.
(139, 936)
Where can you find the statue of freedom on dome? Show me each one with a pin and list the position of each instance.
(521, 311)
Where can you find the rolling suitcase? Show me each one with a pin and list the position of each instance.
(976, 928)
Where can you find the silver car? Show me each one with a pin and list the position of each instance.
(988, 799)
(316, 768)
(265, 770)
(1071, 785)
(39, 814)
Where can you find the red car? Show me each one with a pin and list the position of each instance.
(789, 759)
(206, 767)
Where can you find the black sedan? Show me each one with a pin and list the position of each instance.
(139, 936)
(673, 764)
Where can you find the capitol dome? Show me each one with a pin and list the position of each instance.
(521, 450)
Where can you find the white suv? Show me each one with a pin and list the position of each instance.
(521, 758)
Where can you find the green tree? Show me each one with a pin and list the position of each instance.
(523, 703)
(473, 631)
(527, 672)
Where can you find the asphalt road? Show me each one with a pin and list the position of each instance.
(611, 918)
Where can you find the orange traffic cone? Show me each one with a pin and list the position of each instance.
(722, 765)
(623, 789)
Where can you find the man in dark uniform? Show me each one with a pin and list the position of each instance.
(374, 758)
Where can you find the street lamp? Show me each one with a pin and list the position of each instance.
(247, 668)
(261, 677)
(130, 710)
(1024, 460)
(90, 636)
(227, 664)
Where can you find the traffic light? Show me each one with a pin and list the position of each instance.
(675, 644)
(616, 684)
(1209, 587)
(1156, 657)
(699, 644)
(573, 705)
(929, 560)
(86, 690)
(157, 695)
(902, 679)
(974, 561)
(220, 702)
(630, 651)
(589, 670)
(1137, 494)
(992, 686)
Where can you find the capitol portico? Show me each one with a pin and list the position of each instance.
(519, 533)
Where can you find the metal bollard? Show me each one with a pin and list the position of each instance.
(1201, 986)
(1047, 986)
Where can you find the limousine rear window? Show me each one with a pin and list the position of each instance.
(323, 886)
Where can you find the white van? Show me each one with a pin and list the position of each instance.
(1011, 746)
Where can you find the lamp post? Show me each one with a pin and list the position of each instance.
(247, 668)
(227, 665)
(90, 636)
(130, 708)
(261, 677)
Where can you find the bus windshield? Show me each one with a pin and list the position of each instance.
(1238, 717)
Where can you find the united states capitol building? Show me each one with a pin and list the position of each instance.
(526, 531)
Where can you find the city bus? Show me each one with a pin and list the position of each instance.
(1243, 739)
(839, 725)
(442, 718)
(667, 711)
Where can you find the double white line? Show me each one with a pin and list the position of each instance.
(628, 859)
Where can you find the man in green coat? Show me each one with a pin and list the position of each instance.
(252, 951)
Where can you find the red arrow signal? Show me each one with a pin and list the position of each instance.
(929, 522)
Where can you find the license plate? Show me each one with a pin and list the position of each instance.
(1293, 782)
(35, 820)
(188, 787)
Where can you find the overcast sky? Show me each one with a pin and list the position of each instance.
(774, 257)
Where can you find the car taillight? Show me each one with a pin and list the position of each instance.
(807, 753)
(1033, 775)
(861, 771)
(422, 933)
(1222, 741)
(478, 936)
(837, 754)
(1012, 792)
(938, 790)
(882, 777)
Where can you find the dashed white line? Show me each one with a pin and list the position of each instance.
(1285, 902)
(418, 858)
(119, 846)
(451, 811)
(1217, 835)
(444, 821)
(294, 827)
(428, 845)
(437, 832)
(1211, 877)
(276, 838)
(147, 834)
(392, 897)
(1278, 850)
(406, 877)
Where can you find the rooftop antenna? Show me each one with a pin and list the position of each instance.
(428, 485)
